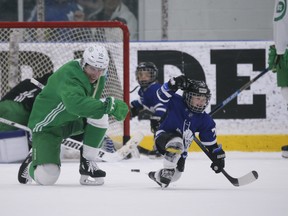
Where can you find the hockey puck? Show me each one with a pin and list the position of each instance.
(135, 170)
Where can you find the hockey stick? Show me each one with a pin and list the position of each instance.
(134, 89)
(37, 83)
(120, 154)
(14, 124)
(235, 94)
(246, 179)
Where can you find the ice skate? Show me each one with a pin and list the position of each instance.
(152, 176)
(23, 173)
(164, 178)
(284, 151)
(90, 172)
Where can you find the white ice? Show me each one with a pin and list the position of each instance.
(199, 191)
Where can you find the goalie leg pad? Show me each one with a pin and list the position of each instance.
(13, 146)
(46, 174)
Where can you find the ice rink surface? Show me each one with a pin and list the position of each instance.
(199, 191)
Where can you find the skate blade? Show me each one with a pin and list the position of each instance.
(285, 154)
(87, 180)
(24, 177)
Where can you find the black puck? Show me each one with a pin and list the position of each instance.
(135, 170)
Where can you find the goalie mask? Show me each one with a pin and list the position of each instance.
(146, 73)
(96, 56)
(198, 95)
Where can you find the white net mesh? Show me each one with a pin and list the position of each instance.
(31, 52)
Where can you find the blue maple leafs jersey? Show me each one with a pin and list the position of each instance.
(179, 118)
(149, 100)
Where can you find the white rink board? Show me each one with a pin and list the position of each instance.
(276, 121)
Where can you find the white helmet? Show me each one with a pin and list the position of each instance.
(96, 56)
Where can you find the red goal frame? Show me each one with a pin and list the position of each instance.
(90, 24)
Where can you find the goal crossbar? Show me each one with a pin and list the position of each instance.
(100, 31)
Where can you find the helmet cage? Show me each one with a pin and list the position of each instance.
(196, 108)
(197, 89)
(149, 68)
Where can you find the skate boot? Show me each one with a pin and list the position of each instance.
(162, 177)
(284, 151)
(166, 176)
(90, 172)
(23, 173)
(152, 176)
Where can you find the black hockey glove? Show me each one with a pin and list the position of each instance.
(134, 111)
(154, 123)
(180, 82)
(218, 156)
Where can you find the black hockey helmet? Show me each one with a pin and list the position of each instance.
(197, 96)
(147, 67)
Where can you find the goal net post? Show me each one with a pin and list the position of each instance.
(32, 49)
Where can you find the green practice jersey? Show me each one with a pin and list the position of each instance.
(66, 97)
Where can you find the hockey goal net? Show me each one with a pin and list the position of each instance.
(31, 49)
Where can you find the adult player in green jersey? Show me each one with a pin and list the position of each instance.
(278, 54)
(71, 94)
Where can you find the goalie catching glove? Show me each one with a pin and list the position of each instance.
(218, 156)
(277, 62)
(116, 108)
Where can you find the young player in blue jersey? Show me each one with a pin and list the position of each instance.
(185, 117)
(146, 75)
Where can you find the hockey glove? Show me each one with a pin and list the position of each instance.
(116, 108)
(180, 82)
(277, 63)
(154, 123)
(218, 156)
(135, 109)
